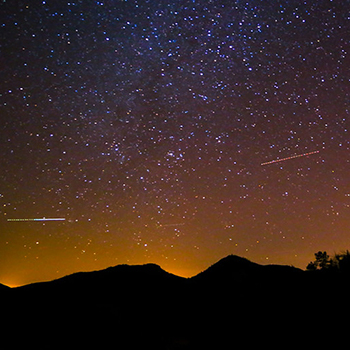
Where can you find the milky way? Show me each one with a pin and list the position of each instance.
(145, 123)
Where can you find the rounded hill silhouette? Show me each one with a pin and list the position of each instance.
(144, 306)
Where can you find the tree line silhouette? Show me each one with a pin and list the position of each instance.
(339, 262)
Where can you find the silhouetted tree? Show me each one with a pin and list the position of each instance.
(311, 266)
(344, 261)
(321, 261)
(340, 262)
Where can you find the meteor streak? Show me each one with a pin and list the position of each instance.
(291, 157)
(168, 225)
(38, 219)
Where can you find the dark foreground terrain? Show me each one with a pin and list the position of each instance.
(233, 302)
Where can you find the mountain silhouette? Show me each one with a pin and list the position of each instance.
(4, 288)
(144, 306)
(236, 268)
(126, 281)
(239, 276)
(104, 287)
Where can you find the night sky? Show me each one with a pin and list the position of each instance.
(145, 124)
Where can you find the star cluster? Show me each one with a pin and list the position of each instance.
(145, 123)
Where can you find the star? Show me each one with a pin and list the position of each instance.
(172, 133)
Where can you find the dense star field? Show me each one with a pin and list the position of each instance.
(173, 132)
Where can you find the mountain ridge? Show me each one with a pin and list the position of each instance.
(143, 305)
(231, 263)
(4, 287)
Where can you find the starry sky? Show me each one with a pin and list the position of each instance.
(146, 126)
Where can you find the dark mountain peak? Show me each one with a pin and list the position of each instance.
(229, 266)
(234, 261)
(113, 283)
(114, 273)
(238, 271)
(152, 266)
(149, 270)
(144, 267)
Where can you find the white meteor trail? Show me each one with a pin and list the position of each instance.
(37, 219)
(291, 157)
